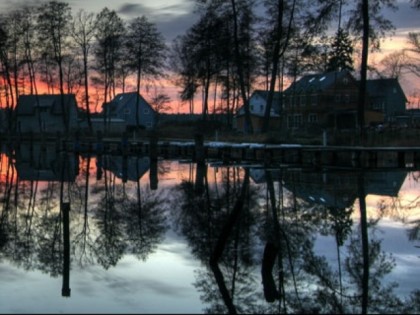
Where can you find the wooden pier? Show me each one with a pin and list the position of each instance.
(201, 151)
(267, 154)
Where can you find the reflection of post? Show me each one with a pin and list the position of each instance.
(365, 243)
(153, 155)
(153, 174)
(124, 168)
(99, 167)
(65, 209)
(199, 178)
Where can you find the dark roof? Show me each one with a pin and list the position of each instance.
(121, 100)
(27, 103)
(317, 82)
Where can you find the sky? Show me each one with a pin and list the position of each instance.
(174, 17)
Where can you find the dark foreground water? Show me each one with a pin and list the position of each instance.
(115, 234)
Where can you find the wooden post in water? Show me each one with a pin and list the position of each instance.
(99, 143)
(199, 156)
(401, 159)
(124, 143)
(153, 148)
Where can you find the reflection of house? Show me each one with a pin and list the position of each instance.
(46, 113)
(124, 108)
(384, 183)
(337, 189)
(257, 105)
(43, 163)
(130, 168)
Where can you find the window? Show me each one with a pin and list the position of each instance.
(294, 121)
(313, 118)
(337, 98)
(314, 99)
(302, 100)
(347, 98)
(261, 108)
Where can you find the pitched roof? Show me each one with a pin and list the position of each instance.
(316, 82)
(121, 100)
(264, 95)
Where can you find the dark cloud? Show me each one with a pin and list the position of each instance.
(170, 20)
(134, 9)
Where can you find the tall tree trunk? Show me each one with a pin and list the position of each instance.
(363, 71)
(248, 122)
(85, 70)
(276, 58)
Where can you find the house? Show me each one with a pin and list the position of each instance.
(124, 108)
(387, 96)
(257, 105)
(48, 113)
(330, 100)
(326, 100)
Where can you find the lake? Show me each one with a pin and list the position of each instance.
(126, 234)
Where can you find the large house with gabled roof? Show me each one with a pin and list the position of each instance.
(329, 101)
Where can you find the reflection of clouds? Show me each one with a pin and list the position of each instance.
(9, 274)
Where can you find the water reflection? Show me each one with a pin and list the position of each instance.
(256, 240)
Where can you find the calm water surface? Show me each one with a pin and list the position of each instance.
(114, 234)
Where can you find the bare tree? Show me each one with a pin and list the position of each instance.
(53, 26)
(109, 35)
(83, 32)
(146, 49)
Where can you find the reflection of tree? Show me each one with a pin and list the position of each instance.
(128, 220)
(110, 243)
(145, 222)
(217, 221)
(83, 241)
